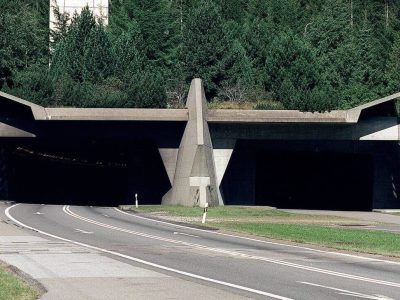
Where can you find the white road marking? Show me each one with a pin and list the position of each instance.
(144, 262)
(38, 213)
(186, 234)
(67, 210)
(349, 293)
(262, 241)
(104, 215)
(83, 231)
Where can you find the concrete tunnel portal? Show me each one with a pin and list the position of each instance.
(110, 172)
(339, 160)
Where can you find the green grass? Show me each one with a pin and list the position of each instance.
(276, 224)
(366, 241)
(12, 287)
(220, 211)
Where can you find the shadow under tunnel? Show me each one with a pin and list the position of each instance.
(294, 175)
(333, 181)
(87, 172)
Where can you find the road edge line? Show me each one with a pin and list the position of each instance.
(262, 241)
(157, 266)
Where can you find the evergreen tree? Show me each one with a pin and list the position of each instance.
(393, 68)
(294, 76)
(204, 46)
(239, 76)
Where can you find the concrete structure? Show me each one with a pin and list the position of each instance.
(339, 159)
(98, 7)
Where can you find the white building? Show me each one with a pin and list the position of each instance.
(98, 7)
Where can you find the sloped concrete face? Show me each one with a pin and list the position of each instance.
(195, 181)
(169, 157)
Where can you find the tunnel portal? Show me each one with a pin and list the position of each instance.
(334, 181)
(302, 175)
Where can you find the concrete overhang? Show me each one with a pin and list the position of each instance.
(38, 111)
(116, 114)
(274, 116)
(353, 114)
(41, 113)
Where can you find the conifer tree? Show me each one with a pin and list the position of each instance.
(204, 46)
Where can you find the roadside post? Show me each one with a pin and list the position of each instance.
(205, 213)
(136, 200)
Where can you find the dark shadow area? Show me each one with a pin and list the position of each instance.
(304, 180)
(300, 174)
(87, 172)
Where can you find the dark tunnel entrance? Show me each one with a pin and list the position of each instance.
(299, 175)
(87, 172)
(333, 181)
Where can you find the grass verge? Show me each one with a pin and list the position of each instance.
(220, 211)
(13, 287)
(326, 231)
(358, 240)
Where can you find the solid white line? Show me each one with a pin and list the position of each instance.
(68, 211)
(348, 293)
(261, 241)
(161, 267)
(186, 234)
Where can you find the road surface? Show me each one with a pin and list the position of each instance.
(249, 267)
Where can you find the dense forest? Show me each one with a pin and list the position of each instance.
(311, 55)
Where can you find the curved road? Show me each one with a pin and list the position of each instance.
(250, 267)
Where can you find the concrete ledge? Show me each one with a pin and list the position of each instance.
(274, 116)
(116, 114)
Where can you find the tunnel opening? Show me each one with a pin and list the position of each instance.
(299, 175)
(87, 172)
(303, 180)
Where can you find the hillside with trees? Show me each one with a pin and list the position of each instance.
(310, 55)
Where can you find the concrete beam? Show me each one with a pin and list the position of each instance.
(195, 162)
(115, 114)
(274, 116)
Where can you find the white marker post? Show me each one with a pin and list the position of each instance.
(136, 201)
(205, 213)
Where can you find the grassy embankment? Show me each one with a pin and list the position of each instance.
(12, 287)
(327, 231)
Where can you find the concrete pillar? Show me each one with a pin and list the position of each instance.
(195, 180)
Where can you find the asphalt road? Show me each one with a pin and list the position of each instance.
(250, 267)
